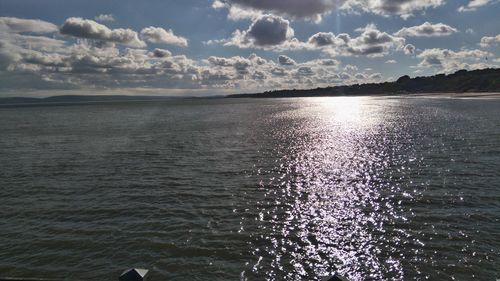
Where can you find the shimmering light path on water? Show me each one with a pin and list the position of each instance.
(372, 188)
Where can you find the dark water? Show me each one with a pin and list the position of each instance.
(282, 189)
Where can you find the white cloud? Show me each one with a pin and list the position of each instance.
(105, 17)
(350, 68)
(86, 65)
(298, 9)
(284, 60)
(371, 42)
(360, 76)
(426, 29)
(402, 8)
(159, 35)
(448, 61)
(322, 39)
(89, 29)
(236, 12)
(304, 71)
(15, 25)
(391, 61)
(490, 41)
(37, 42)
(329, 62)
(240, 64)
(274, 33)
(409, 49)
(98, 62)
(315, 9)
(474, 5)
(8, 54)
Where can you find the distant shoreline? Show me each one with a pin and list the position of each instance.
(111, 99)
(461, 84)
(473, 83)
(457, 95)
(495, 94)
(43, 102)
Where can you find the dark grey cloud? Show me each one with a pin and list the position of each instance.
(161, 53)
(269, 30)
(89, 29)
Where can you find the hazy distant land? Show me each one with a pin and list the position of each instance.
(476, 83)
(78, 99)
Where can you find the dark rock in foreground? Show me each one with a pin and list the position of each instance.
(134, 274)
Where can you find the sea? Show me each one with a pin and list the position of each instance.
(369, 188)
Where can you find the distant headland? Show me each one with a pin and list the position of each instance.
(462, 81)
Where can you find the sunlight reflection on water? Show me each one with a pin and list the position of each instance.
(325, 209)
(252, 189)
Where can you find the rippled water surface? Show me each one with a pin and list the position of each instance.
(252, 189)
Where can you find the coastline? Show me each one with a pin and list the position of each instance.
(485, 95)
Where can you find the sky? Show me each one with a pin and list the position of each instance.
(211, 47)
